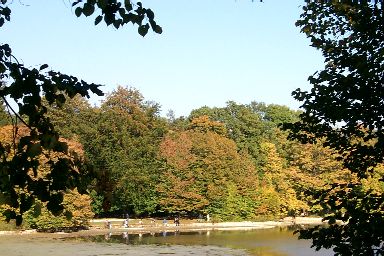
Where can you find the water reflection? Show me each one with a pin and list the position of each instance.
(272, 242)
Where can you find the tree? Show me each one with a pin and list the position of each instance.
(205, 173)
(345, 109)
(122, 145)
(71, 119)
(27, 85)
(243, 125)
(44, 176)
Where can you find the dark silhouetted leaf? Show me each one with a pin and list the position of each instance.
(143, 30)
(78, 11)
(44, 66)
(88, 9)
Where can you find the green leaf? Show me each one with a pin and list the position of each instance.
(150, 14)
(2, 68)
(128, 5)
(98, 19)
(54, 205)
(60, 100)
(88, 9)
(102, 3)
(143, 30)
(61, 147)
(44, 66)
(122, 12)
(78, 11)
(75, 3)
(158, 29)
(117, 23)
(109, 19)
(34, 150)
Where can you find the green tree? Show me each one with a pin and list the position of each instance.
(274, 113)
(123, 146)
(72, 118)
(251, 125)
(344, 108)
(243, 126)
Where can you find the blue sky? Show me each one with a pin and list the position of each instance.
(210, 52)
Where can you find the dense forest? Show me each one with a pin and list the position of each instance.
(233, 162)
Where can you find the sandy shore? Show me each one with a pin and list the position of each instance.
(97, 226)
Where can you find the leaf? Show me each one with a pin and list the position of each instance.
(158, 29)
(2, 68)
(34, 150)
(102, 3)
(117, 23)
(88, 9)
(98, 19)
(44, 66)
(97, 91)
(60, 100)
(7, 13)
(54, 205)
(75, 3)
(122, 12)
(150, 14)
(143, 30)
(78, 11)
(19, 220)
(61, 147)
(128, 5)
(109, 19)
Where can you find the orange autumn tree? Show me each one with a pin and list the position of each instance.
(76, 210)
(204, 173)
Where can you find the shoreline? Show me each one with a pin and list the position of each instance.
(97, 227)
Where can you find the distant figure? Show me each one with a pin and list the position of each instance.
(108, 224)
(125, 223)
(141, 222)
(208, 218)
(126, 237)
(165, 222)
(177, 221)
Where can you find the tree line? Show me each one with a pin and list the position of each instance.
(233, 162)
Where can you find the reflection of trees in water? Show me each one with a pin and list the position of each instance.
(277, 241)
(136, 239)
(296, 227)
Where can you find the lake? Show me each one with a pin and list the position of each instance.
(268, 242)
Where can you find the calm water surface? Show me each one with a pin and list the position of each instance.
(270, 242)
